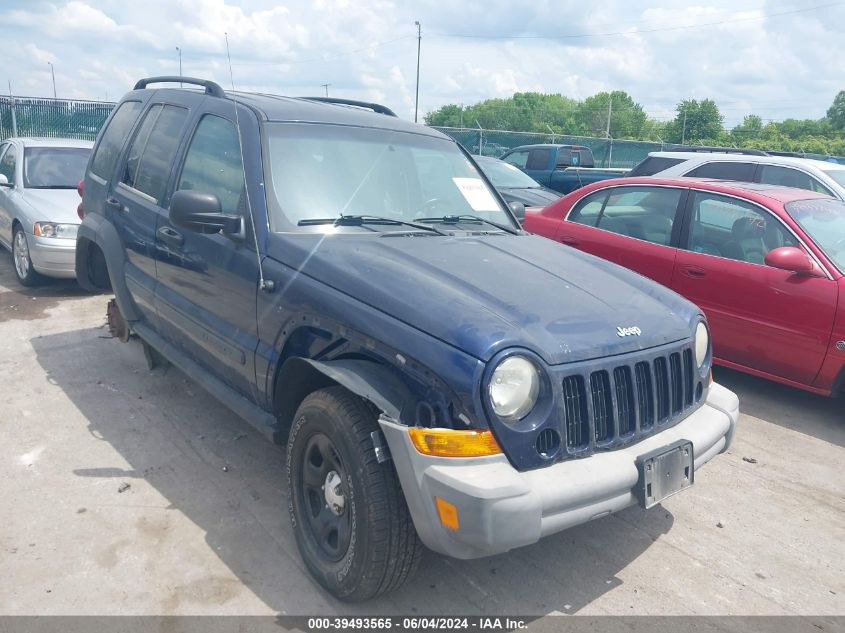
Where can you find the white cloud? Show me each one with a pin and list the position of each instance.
(776, 66)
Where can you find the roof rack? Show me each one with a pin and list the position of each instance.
(788, 154)
(723, 150)
(375, 107)
(211, 88)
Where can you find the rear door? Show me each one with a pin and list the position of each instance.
(538, 164)
(761, 317)
(136, 198)
(206, 295)
(635, 226)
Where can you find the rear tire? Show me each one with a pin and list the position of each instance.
(365, 544)
(21, 260)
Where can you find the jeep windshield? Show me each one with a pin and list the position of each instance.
(319, 174)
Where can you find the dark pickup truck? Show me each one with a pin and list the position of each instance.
(563, 168)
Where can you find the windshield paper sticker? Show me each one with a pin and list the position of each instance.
(476, 194)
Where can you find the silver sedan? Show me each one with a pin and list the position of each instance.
(38, 201)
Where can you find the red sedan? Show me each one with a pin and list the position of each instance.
(765, 263)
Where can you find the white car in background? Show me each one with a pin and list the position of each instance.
(802, 173)
(38, 202)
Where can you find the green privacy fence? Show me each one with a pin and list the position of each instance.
(606, 152)
(56, 118)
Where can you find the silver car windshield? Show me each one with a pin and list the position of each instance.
(824, 221)
(323, 172)
(54, 167)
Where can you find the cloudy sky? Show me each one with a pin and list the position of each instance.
(775, 58)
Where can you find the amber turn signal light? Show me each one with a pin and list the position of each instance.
(449, 443)
(448, 514)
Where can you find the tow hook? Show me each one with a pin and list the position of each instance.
(118, 327)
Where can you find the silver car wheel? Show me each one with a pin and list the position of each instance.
(20, 253)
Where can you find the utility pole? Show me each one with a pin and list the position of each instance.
(179, 50)
(53, 73)
(419, 42)
(12, 106)
(684, 130)
(609, 112)
(326, 86)
(462, 116)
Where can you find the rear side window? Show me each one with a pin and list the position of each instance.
(644, 213)
(213, 164)
(653, 165)
(112, 140)
(725, 170)
(539, 159)
(788, 177)
(151, 154)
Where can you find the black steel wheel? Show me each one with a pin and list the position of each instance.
(349, 517)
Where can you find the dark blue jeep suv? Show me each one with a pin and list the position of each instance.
(352, 285)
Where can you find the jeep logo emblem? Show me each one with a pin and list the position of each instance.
(628, 331)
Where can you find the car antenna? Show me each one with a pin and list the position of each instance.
(264, 284)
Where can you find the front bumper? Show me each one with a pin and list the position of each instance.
(500, 508)
(52, 257)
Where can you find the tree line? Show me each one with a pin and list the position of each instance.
(617, 115)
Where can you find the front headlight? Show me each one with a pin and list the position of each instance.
(53, 229)
(514, 387)
(702, 344)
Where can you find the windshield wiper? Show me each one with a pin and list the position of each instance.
(360, 220)
(467, 218)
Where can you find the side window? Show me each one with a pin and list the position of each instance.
(735, 229)
(789, 177)
(213, 163)
(645, 213)
(539, 159)
(112, 140)
(7, 163)
(518, 159)
(725, 170)
(150, 157)
(588, 209)
(653, 165)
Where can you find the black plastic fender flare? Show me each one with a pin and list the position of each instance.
(96, 229)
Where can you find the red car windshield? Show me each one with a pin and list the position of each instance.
(824, 221)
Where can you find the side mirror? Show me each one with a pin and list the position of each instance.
(201, 212)
(794, 260)
(518, 209)
(4, 182)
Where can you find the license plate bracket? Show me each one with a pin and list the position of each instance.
(664, 472)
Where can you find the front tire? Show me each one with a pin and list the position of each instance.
(22, 261)
(349, 516)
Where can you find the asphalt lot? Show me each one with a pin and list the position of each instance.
(202, 526)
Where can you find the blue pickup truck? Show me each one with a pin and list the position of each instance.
(353, 286)
(563, 168)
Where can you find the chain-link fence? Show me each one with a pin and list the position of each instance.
(606, 152)
(66, 118)
(56, 118)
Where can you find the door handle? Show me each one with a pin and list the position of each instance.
(695, 272)
(569, 240)
(166, 234)
(115, 205)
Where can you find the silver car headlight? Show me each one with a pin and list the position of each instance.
(514, 387)
(54, 229)
(702, 344)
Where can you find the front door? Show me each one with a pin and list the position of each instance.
(761, 317)
(206, 295)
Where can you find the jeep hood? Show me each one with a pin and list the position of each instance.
(485, 293)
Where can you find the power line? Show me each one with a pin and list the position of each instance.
(639, 31)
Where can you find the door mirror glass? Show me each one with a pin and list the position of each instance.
(794, 260)
(200, 212)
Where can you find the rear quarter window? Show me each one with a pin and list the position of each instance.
(113, 137)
